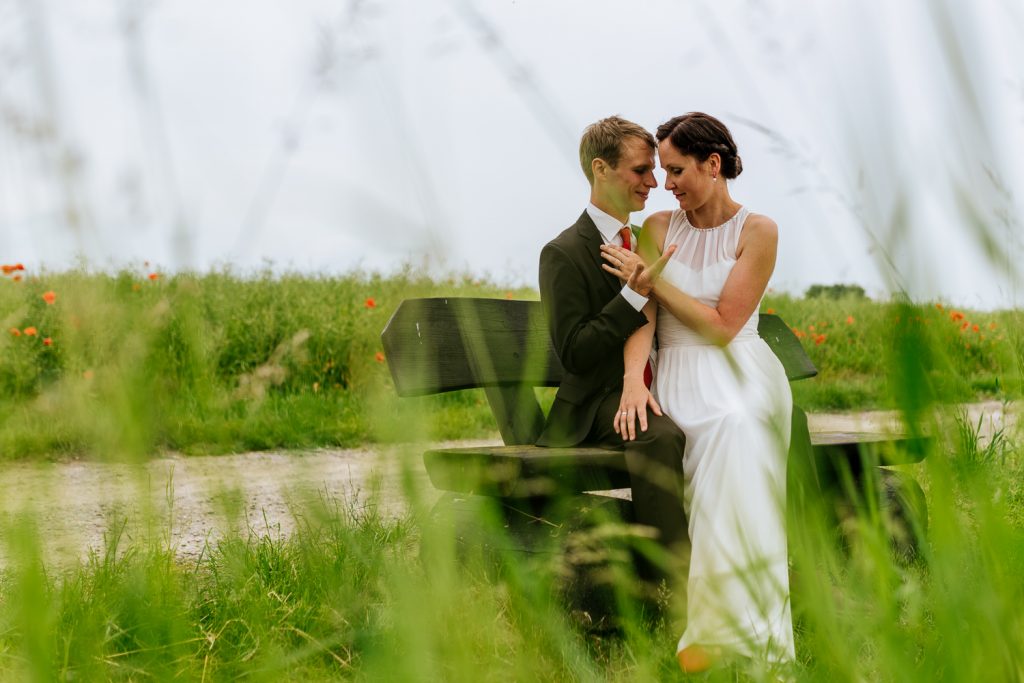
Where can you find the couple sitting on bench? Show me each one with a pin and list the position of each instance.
(706, 435)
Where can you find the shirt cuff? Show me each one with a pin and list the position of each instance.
(637, 301)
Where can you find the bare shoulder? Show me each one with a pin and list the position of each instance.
(655, 228)
(760, 233)
(761, 226)
(658, 221)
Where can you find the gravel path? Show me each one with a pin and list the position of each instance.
(187, 501)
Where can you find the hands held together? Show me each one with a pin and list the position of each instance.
(631, 268)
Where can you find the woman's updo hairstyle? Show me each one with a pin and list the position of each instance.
(700, 135)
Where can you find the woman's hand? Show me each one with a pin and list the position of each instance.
(636, 399)
(631, 269)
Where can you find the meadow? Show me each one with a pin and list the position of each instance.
(129, 363)
(120, 366)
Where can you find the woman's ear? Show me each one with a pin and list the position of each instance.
(714, 163)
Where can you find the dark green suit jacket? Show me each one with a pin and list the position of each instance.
(589, 322)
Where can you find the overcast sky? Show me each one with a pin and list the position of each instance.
(884, 138)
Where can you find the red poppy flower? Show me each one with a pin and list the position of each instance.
(49, 297)
(850, 320)
(370, 303)
(47, 342)
(379, 357)
(154, 276)
(820, 339)
(30, 331)
(15, 332)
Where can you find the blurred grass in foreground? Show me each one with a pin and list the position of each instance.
(124, 364)
(348, 597)
(217, 361)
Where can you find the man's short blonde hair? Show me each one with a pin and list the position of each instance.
(603, 140)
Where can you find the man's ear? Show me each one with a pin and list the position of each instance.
(598, 166)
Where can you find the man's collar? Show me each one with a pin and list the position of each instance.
(606, 224)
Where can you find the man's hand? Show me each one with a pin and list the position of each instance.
(635, 401)
(632, 270)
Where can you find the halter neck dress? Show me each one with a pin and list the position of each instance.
(734, 405)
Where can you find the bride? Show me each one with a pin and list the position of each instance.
(725, 389)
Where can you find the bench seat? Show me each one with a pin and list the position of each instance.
(532, 471)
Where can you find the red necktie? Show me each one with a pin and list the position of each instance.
(627, 243)
(627, 238)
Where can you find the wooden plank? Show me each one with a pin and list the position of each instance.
(872, 447)
(525, 471)
(521, 471)
(446, 344)
(786, 346)
(517, 412)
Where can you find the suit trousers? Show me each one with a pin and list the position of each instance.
(655, 463)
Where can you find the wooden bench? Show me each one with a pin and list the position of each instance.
(449, 344)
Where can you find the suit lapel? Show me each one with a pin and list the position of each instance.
(593, 241)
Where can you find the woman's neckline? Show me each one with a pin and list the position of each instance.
(728, 220)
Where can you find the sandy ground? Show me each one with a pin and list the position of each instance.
(188, 501)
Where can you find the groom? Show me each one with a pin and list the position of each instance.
(591, 314)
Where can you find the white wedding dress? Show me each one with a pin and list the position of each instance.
(734, 406)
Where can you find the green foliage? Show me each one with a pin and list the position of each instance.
(835, 292)
(897, 354)
(348, 596)
(219, 362)
(351, 594)
(212, 363)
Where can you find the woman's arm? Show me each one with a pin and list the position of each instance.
(636, 397)
(755, 261)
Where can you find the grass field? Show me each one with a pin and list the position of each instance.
(347, 597)
(206, 363)
(125, 364)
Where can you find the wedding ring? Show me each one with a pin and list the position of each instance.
(623, 413)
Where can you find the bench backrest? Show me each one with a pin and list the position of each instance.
(445, 344)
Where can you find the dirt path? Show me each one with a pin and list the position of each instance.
(187, 501)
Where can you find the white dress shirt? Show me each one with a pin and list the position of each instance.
(609, 227)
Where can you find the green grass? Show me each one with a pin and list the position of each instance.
(211, 363)
(215, 362)
(972, 355)
(347, 597)
(218, 362)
